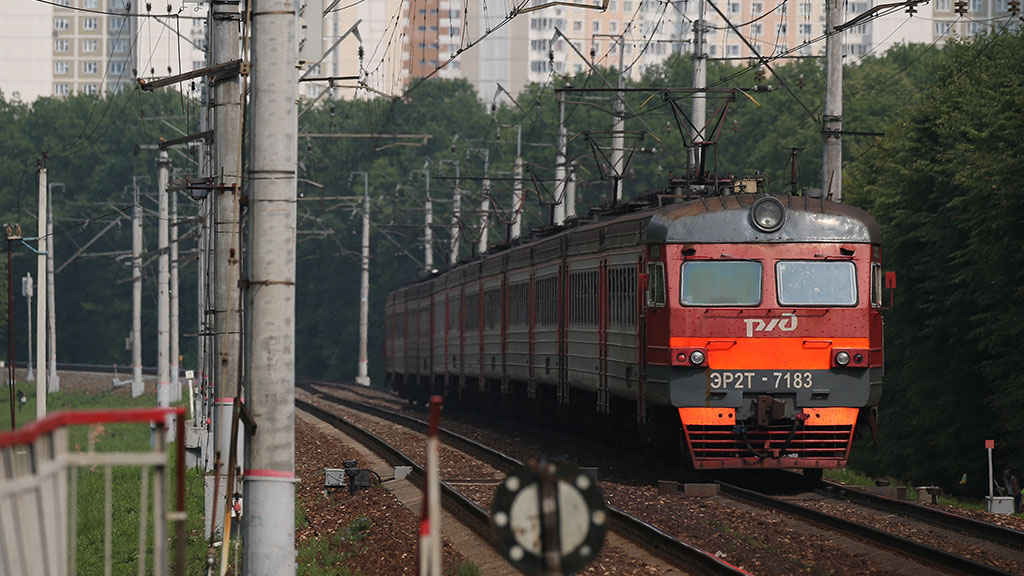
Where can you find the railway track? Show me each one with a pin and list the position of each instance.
(649, 537)
(907, 547)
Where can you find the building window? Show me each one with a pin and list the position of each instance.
(61, 89)
(782, 29)
(597, 26)
(627, 5)
(90, 45)
(91, 89)
(613, 27)
(756, 29)
(732, 50)
(61, 67)
(90, 23)
(90, 68)
(118, 67)
(62, 46)
(940, 28)
(119, 46)
(942, 5)
(61, 23)
(806, 29)
(90, 3)
(734, 7)
(756, 8)
(613, 6)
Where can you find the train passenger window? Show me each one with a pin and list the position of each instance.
(492, 309)
(472, 316)
(547, 301)
(656, 283)
(816, 283)
(518, 306)
(721, 283)
(622, 301)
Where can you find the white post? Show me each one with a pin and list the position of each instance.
(517, 199)
(989, 445)
(363, 379)
(174, 351)
(428, 231)
(700, 82)
(485, 205)
(41, 300)
(53, 382)
(832, 120)
(618, 135)
(269, 530)
(558, 217)
(26, 291)
(570, 192)
(453, 256)
(163, 368)
(138, 386)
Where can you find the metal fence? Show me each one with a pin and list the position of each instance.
(56, 483)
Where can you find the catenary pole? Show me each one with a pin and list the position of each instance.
(700, 82)
(485, 204)
(53, 380)
(225, 230)
(138, 387)
(558, 216)
(163, 368)
(363, 378)
(41, 299)
(174, 351)
(428, 227)
(26, 290)
(453, 255)
(618, 132)
(517, 187)
(570, 192)
(269, 532)
(832, 120)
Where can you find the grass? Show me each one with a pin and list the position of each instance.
(853, 478)
(126, 483)
(327, 556)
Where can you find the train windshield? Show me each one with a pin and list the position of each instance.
(816, 283)
(721, 283)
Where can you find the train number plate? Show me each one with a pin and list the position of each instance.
(761, 380)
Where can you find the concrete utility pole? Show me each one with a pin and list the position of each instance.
(163, 369)
(363, 378)
(138, 387)
(175, 352)
(428, 226)
(53, 382)
(517, 188)
(41, 299)
(269, 524)
(225, 230)
(453, 256)
(558, 216)
(26, 291)
(618, 135)
(832, 120)
(700, 82)
(570, 192)
(485, 202)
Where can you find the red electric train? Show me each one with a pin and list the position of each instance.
(746, 325)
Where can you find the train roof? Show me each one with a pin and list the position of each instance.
(713, 219)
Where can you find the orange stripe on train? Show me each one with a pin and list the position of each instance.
(770, 353)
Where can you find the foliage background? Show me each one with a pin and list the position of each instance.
(943, 182)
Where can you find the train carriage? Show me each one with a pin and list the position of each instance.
(748, 326)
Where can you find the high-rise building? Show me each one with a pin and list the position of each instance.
(95, 46)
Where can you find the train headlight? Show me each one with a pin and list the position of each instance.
(696, 357)
(842, 358)
(768, 214)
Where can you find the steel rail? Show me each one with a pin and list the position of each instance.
(919, 552)
(660, 543)
(985, 530)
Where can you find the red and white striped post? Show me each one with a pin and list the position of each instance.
(430, 523)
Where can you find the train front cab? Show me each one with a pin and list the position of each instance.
(773, 350)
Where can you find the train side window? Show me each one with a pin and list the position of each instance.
(721, 283)
(547, 302)
(472, 315)
(656, 284)
(876, 285)
(816, 283)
